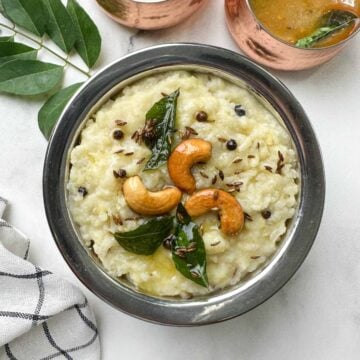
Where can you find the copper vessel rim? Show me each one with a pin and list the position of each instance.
(248, 2)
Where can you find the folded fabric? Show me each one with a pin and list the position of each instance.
(41, 315)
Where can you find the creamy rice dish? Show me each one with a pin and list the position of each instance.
(231, 164)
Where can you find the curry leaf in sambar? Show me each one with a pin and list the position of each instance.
(52, 109)
(88, 40)
(333, 22)
(12, 50)
(28, 14)
(59, 25)
(29, 77)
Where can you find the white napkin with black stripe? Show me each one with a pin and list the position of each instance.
(41, 315)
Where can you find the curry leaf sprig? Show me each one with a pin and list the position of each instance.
(69, 27)
(334, 21)
(187, 245)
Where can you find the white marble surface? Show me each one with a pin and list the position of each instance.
(317, 314)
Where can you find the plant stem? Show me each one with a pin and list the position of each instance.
(65, 60)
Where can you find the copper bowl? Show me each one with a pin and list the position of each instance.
(266, 49)
(151, 14)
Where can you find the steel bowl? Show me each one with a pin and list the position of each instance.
(266, 49)
(258, 286)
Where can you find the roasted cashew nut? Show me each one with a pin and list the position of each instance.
(230, 211)
(146, 202)
(185, 155)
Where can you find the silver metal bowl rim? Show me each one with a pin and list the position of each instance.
(234, 301)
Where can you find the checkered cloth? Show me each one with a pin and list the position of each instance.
(41, 315)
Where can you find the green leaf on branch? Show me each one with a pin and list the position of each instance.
(88, 42)
(59, 26)
(6, 38)
(28, 14)
(52, 109)
(11, 50)
(145, 239)
(29, 77)
(161, 118)
(188, 249)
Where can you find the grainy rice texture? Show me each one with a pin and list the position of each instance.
(261, 140)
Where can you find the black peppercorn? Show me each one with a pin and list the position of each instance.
(239, 110)
(120, 173)
(83, 191)
(266, 214)
(118, 134)
(231, 144)
(201, 116)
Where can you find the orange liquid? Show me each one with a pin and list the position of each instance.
(291, 20)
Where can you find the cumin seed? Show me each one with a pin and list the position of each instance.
(194, 274)
(280, 164)
(268, 168)
(204, 175)
(281, 156)
(222, 140)
(251, 156)
(248, 217)
(221, 175)
(191, 130)
(140, 161)
(214, 180)
(129, 153)
(120, 122)
(215, 244)
(117, 219)
(119, 151)
(237, 160)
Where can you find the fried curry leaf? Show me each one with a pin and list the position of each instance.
(163, 115)
(188, 249)
(333, 22)
(145, 239)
